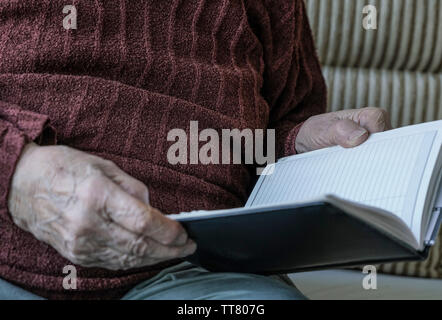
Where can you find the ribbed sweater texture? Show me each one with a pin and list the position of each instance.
(115, 86)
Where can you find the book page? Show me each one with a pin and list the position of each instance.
(385, 172)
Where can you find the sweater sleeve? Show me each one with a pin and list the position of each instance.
(17, 128)
(294, 85)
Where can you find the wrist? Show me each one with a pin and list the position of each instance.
(26, 154)
(299, 141)
(21, 175)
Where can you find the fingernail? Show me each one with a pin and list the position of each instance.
(356, 135)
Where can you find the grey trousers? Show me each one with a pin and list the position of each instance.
(188, 282)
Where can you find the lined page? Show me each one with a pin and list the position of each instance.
(383, 173)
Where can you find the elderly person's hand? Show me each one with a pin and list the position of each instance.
(90, 211)
(347, 128)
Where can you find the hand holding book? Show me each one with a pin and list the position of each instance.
(374, 203)
(346, 128)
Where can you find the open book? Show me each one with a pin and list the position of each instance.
(379, 202)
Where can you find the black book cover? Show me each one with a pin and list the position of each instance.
(292, 239)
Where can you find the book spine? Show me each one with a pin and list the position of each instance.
(436, 221)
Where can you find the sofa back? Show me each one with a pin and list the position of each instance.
(397, 67)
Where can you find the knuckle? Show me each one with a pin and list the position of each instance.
(95, 182)
(138, 247)
(172, 233)
(143, 222)
(89, 190)
(377, 116)
(127, 262)
(110, 259)
(108, 163)
(149, 249)
(379, 113)
(139, 190)
(142, 189)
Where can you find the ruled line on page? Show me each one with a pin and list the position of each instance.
(377, 174)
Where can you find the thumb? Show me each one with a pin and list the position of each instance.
(347, 133)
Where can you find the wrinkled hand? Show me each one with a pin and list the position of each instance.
(346, 128)
(90, 211)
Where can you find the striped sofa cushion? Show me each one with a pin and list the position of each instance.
(430, 268)
(397, 67)
(410, 97)
(407, 37)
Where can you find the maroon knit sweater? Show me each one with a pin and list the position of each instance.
(129, 73)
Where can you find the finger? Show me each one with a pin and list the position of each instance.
(130, 244)
(110, 258)
(372, 119)
(124, 251)
(347, 133)
(162, 252)
(128, 183)
(142, 219)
